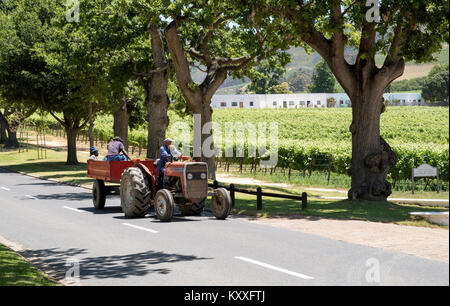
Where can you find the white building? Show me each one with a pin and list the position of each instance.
(303, 100)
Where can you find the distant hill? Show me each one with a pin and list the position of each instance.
(301, 59)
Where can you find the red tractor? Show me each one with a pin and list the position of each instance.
(185, 186)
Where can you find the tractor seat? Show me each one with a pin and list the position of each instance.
(156, 163)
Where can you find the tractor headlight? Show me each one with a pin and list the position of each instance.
(203, 176)
(190, 176)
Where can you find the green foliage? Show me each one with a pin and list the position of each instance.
(299, 80)
(282, 88)
(408, 85)
(436, 87)
(417, 134)
(323, 80)
(267, 76)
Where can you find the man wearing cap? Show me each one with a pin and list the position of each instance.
(115, 148)
(167, 153)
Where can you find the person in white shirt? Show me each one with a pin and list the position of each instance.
(94, 153)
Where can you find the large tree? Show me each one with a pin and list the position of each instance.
(436, 85)
(131, 31)
(268, 75)
(223, 38)
(48, 62)
(399, 30)
(323, 80)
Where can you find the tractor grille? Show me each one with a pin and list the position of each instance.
(196, 181)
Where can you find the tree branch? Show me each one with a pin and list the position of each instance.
(63, 123)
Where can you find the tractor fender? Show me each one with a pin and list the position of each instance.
(151, 178)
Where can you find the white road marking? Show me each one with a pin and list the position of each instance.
(74, 209)
(262, 264)
(30, 197)
(141, 228)
(7, 189)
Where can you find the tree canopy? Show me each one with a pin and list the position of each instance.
(323, 80)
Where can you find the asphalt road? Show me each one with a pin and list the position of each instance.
(62, 234)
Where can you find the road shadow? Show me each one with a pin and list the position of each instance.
(105, 211)
(70, 196)
(57, 263)
(154, 219)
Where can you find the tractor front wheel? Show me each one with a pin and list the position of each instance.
(135, 194)
(164, 205)
(221, 204)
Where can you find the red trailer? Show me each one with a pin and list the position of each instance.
(111, 172)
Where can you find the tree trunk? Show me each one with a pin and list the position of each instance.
(121, 122)
(372, 157)
(3, 134)
(157, 101)
(208, 139)
(72, 158)
(12, 141)
(157, 104)
(91, 125)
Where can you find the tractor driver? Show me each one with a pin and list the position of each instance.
(168, 153)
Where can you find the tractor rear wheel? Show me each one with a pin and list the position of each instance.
(99, 194)
(221, 204)
(164, 205)
(195, 209)
(135, 193)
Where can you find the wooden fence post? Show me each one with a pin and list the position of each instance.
(313, 158)
(304, 201)
(233, 196)
(330, 165)
(437, 178)
(259, 204)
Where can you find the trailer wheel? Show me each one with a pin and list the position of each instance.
(195, 209)
(164, 205)
(99, 194)
(135, 193)
(221, 204)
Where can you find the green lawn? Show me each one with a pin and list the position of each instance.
(15, 271)
(386, 212)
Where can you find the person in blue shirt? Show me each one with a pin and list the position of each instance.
(168, 153)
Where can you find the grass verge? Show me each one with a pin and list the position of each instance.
(16, 271)
(53, 168)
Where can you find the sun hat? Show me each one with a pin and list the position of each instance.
(117, 138)
(94, 149)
